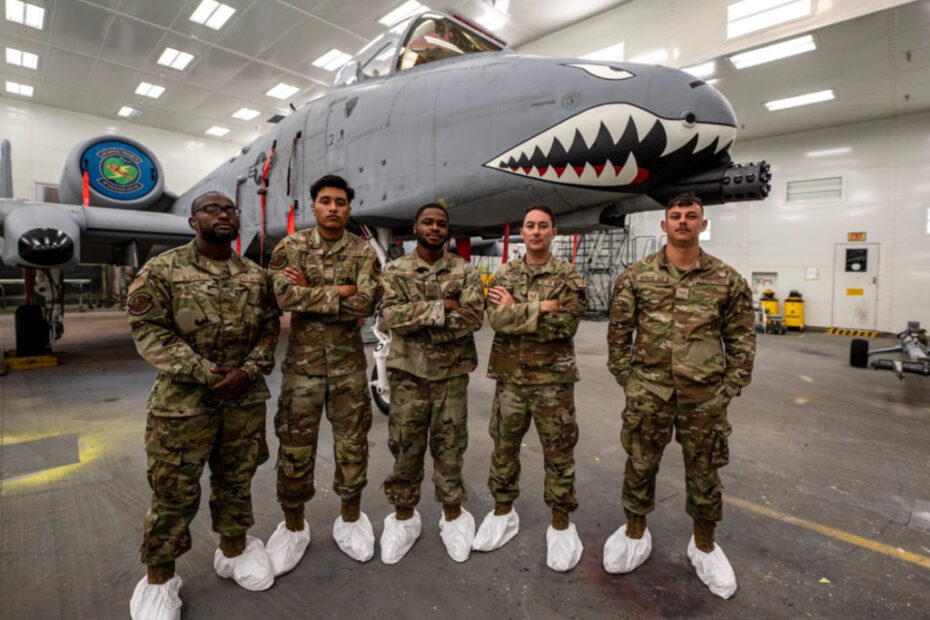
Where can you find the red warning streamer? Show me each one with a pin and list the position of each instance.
(85, 190)
(574, 248)
(506, 242)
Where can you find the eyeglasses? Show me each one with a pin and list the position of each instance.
(215, 210)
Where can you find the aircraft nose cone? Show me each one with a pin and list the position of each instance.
(46, 246)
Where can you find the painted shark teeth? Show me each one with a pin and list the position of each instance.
(586, 149)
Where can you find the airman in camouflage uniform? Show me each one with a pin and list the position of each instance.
(206, 319)
(329, 280)
(693, 352)
(433, 302)
(535, 306)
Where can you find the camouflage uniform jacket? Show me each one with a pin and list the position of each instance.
(325, 337)
(530, 347)
(428, 341)
(189, 313)
(694, 330)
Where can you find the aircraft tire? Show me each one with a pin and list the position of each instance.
(384, 404)
(859, 353)
(32, 337)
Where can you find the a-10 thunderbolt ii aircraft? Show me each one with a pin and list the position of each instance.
(432, 110)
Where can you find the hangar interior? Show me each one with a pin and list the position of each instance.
(829, 474)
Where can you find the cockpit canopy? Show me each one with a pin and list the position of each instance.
(429, 37)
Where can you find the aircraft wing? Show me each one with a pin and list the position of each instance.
(49, 235)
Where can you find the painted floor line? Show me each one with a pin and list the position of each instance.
(907, 556)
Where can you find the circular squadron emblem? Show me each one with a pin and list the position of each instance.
(119, 170)
(140, 303)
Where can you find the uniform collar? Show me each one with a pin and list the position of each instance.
(316, 240)
(546, 267)
(234, 263)
(438, 266)
(703, 260)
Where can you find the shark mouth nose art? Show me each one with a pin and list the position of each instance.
(610, 146)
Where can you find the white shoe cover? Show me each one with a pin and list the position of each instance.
(251, 570)
(563, 548)
(457, 535)
(356, 539)
(496, 531)
(713, 569)
(623, 554)
(398, 537)
(286, 548)
(156, 601)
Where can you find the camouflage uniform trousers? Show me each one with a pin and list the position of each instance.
(232, 440)
(552, 407)
(297, 425)
(701, 429)
(420, 408)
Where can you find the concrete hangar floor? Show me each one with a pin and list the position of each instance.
(827, 501)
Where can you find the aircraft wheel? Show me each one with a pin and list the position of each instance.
(859, 353)
(383, 403)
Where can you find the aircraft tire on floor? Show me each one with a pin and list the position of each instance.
(859, 353)
(384, 404)
(32, 337)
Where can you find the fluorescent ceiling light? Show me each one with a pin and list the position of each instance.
(332, 60)
(752, 15)
(19, 89)
(217, 131)
(792, 47)
(127, 112)
(25, 13)
(614, 52)
(149, 90)
(652, 57)
(793, 102)
(212, 14)
(407, 9)
(175, 59)
(282, 91)
(842, 150)
(245, 114)
(703, 70)
(20, 58)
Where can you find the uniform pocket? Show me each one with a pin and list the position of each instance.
(631, 434)
(720, 450)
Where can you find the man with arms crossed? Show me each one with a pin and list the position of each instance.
(692, 354)
(205, 317)
(433, 302)
(534, 308)
(328, 279)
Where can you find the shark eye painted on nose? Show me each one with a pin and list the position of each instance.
(689, 119)
(605, 72)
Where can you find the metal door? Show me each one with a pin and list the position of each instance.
(855, 285)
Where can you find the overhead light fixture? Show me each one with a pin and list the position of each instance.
(762, 55)
(20, 58)
(703, 70)
(332, 60)
(245, 114)
(149, 90)
(842, 150)
(407, 9)
(212, 14)
(25, 13)
(752, 15)
(127, 112)
(793, 102)
(20, 89)
(613, 52)
(217, 131)
(652, 57)
(175, 59)
(282, 91)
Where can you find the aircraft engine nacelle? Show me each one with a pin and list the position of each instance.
(41, 237)
(122, 174)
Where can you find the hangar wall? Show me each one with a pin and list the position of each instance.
(885, 167)
(41, 138)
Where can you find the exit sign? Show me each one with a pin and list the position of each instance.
(855, 236)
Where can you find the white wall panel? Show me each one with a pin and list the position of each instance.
(41, 138)
(886, 193)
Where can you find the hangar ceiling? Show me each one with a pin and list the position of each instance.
(94, 53)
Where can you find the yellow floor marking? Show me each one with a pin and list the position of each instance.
(907, 556)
